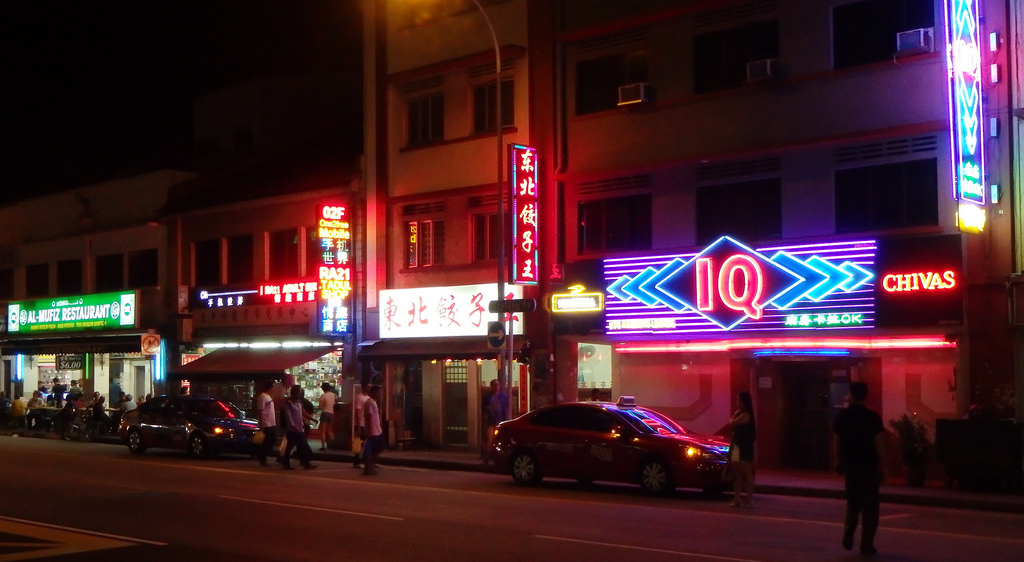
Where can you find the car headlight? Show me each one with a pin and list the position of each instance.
(696, 453)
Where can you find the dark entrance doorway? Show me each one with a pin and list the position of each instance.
(809, 392)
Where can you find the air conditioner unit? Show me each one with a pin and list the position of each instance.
(915, 41)
(639, 92)
(763, 69)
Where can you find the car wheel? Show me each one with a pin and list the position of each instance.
(135, 442)
(525, 469)
(197, 446)
(655, 477)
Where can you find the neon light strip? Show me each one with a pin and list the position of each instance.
(802, 352)
(913, 342)
(963, 59)
(620, 313)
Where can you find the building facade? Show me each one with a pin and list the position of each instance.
(773, 196)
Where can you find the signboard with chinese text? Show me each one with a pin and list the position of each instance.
(730, 287)
(101, 311)
(525, 199)
(442, 311)
(965, 102)
(268, 292)
(334, 274)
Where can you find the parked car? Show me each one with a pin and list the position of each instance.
(201, 426)
(619, 442)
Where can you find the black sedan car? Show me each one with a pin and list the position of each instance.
(201, 426)
(618, 442)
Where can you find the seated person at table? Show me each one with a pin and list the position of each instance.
(99, 413)
(18, 410)
(35, 418)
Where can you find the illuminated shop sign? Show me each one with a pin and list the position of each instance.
(271, 292)
(441, 311)
(102, 311)
(729, 286)
(919, 281)
(577, 300)
(334, 232)
(965, 111)
(525, 198)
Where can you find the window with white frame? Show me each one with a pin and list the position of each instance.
(424, 241)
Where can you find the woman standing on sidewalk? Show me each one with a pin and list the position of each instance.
(741, 451)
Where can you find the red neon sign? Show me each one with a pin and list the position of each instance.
(335, 269)
(525, 198)
(919, 281)
(289, 291)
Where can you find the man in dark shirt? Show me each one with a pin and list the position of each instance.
(860, 459)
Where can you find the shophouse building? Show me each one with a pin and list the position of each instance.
(433, 236)
(777, 196)
(82, 284)
(263, 242)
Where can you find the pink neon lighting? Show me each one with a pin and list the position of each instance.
(705, 287)
(912, 342)
(749, 301)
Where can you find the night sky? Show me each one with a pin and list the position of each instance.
(92, 90)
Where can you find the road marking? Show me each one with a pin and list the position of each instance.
(45, 540)
(643, 548)
(309, 507)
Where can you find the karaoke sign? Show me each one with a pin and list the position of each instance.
(729, 286)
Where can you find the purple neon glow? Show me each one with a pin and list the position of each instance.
(687, 321)
(966, 118)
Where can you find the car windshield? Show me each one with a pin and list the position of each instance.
(649, 421)
(218, 409)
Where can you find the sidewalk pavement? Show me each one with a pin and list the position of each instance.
(815, 484)
(773, 482)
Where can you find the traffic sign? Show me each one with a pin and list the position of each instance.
(496, 335)
(512, 305)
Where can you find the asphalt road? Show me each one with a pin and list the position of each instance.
(87, 501)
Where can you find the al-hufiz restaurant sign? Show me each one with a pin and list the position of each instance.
(102, 311)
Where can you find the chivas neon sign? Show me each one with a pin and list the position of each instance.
(965, 111)
(525, 199)
(919, 281)
(730, 286)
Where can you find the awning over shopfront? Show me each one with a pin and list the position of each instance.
(250, 361)
(440, 348)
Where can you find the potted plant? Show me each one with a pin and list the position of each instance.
(914, 445)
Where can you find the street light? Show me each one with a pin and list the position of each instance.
(507, 361)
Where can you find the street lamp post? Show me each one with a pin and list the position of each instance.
(507, 360)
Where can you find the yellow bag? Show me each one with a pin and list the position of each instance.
(259, 437)
(357, 444)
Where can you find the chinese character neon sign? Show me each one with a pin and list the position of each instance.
(525, 199)
(334, 273)
(729, 286)
(965, 113)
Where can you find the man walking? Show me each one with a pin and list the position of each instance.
(267, 414)
(360, 419)
(860, 459)
(374, 444)
(295, 431)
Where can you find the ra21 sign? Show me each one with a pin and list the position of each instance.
(729, 286)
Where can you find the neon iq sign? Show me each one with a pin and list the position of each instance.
(524, 214)
(965, 113)
(335, 269)
(730, 286)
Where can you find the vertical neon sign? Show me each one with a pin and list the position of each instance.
(525, 198)
(963, 56)
(335, 270)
